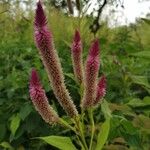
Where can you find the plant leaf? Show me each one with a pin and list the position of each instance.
(70, 75)
(105, 109)
(15, 122)
(6, 145)
(136, 102)
(143, 54)
(103, 134)
(142, 80)
(25, 111)
(60, 142)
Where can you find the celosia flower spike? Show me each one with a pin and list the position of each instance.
(40, 100)
(49, 56)
(91, 75)
(101, 90)
(77, 37)
(94, 51)
(40, 19)
(76, 54)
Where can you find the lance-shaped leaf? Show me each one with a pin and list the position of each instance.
(60, 142)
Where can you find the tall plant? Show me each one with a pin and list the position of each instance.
(93, 90)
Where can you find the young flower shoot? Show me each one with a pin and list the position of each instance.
(76, 53)
(40, 101)
(91, 75)
(49, 56)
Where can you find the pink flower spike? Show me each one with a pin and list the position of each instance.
(40, 100)
(76, 54)
(77, 37)
(34, 81)
(40, 18)
(91, 75)
(94, 51)
(49, 56)
(101, 90)
(42, 35)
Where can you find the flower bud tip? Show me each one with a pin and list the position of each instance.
(77, 37)
(40, 18)
(94, 51)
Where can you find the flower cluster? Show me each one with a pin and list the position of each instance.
(86, 75)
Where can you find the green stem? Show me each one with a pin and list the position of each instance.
(82, 119)
(79, 127)
(92, 127)
(78, 138)
(65, 124)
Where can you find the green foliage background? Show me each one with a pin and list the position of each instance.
(125, 55)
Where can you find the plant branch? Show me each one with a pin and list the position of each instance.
(65, 124)
(3, 11)
(79, 128)
(92, 127)
(95, 26)
(69, 3)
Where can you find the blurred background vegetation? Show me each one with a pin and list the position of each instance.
(125, 55)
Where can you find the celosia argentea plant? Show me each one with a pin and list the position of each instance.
(88, 135)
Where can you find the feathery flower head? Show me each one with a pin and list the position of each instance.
(34, 81)
(40, 18)
(50, 59)
(93, 56)
(40, 100)
(77, 37)
(91, 75)
(77, 45)
(42, 34)
(76, 54)
(101, 90)
(94, 51)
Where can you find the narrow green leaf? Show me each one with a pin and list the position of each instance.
(15, 122)
(6, 145)
(25, 111)
(143, 54)
(70, 75)
(2, 131)
(103, 134)
(81, 89)
(146, 100)
(141, 80)
(60, 142)
(105, 109)
(136, 102)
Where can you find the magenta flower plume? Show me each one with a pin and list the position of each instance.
(101, 90)
(91, 75)
(76, 54)
(49, 56)
(40, 100)
(40, 18)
